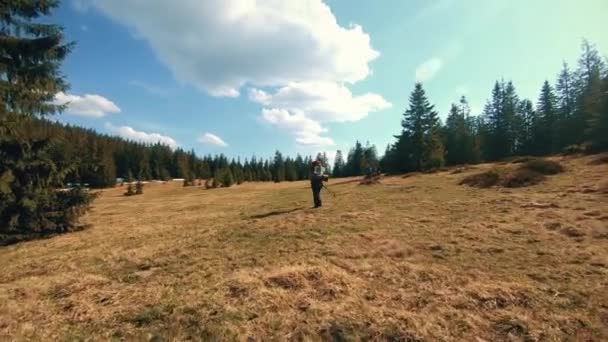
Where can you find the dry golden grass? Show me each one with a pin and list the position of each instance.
(409, 259)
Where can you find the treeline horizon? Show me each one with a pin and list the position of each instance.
(569, 114)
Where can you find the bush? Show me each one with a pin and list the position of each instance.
(521, 177)
(543, 166)
(130, 190)
(482, 180)
(139, 188)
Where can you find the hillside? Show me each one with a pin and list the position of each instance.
(415, 258)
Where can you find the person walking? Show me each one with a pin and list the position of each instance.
(317, 177)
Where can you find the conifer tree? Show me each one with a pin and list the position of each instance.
(421, 132)
(30, 78)
(548, 129)
(339, 165)
(589, 74)
(566, 106)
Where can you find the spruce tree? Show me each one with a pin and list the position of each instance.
(278, 172)
(589, 74)
(548, 131)
(421, 129)
(501, 122)
(32, 52)
(526, 137)
(338, 170)
(566, 103)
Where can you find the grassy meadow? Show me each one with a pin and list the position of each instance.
(417, 258)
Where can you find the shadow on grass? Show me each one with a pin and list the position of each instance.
(275, 212)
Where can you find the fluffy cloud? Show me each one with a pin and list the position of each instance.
(321, 101)
(131, 134)
(293, 55)
(220, 45)
(307, 131)
(428, 69)
(90, 105)
(212, 139)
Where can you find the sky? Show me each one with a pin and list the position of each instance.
(248, 77)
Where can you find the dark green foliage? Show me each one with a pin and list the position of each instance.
(225, 177)
(546, 126)
(32, 201)
(139, 188)
(543, 166)
(419, 146)
(459, 135)
(339, 165)
(130, 190)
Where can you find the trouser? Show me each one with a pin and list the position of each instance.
(316, 195)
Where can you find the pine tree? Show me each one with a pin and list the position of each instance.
(526, 137)
(339, 165)
(589, 74)
(278, 172)
(139, 187)
(548, 141)
(566, 103)
(30, 78)
(421, 133)
(598, 125)
(227, 178)
(501, 122)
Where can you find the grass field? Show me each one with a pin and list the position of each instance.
(419, 258)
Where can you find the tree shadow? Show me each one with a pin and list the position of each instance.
(275, 212)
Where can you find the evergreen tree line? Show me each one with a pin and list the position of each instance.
(570, 115)
(101, 159)
(358, 160)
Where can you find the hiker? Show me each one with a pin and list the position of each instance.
(317, 177)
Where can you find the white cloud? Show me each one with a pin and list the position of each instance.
(89, 105)
(428, 69)
(131, 134)
(212, 139)
(321, 101)
(307, 131)
(221, 45)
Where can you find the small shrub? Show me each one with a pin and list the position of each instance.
(521, 177)
(482, 180)
(139, 188)
(543, 166)
(130, 190)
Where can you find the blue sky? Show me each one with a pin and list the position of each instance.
(245, 77)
